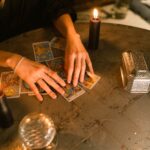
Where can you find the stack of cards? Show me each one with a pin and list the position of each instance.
(43, 52)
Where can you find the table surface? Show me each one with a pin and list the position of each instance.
(104, 118)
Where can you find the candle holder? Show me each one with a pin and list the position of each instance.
(94, 31)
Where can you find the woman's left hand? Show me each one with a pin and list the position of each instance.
(76, 60)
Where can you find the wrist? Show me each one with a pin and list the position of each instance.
(70, 31)
(73, 35)
(13, 60)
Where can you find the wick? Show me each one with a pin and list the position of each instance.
(95, 18)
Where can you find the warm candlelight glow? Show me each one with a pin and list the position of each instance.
(95, 13)
(94, 30)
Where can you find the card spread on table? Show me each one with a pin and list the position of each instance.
(42, 51)
(13, 86)
(57, 65)
(10, 83)
(58, 42)
(72, 92)
(90, 80)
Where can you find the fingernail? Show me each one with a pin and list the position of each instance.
(63, 92)
(64, 84)
(41, 99)
(81, 80)
(41, 102)
(75, 84)
(54, 96)
(68, 81)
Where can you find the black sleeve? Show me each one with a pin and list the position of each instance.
(56, 8)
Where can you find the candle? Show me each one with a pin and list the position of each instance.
(94, 31)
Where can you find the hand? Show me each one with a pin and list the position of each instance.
(76, 59)
(32, 72)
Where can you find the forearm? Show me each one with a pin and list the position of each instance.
(65, 25)
(8, 59)
(76, 56)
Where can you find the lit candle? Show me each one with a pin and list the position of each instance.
(94, 31)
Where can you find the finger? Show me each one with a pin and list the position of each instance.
(70, 68)
(77, 71)
(57, 78)
(45, 87)
(53, 84)
(83, 68)
(36, 92)
(89, 64)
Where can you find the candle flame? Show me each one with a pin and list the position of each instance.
(95, 13)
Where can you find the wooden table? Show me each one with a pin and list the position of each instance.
(105, 118)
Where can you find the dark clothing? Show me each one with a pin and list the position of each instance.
(18, 16)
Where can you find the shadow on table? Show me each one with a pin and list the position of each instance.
(106, 59)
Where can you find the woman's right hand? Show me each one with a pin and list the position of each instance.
(35, 73)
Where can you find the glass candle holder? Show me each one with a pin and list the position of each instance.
(121, 8)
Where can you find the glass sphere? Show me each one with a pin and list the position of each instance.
(37, 131)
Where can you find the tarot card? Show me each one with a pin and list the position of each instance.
(58, 42)
(72, 92)
(57, 65)
(90, 80)
(42, 51)
(57, 52)
(25, 88)
(10, 83)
